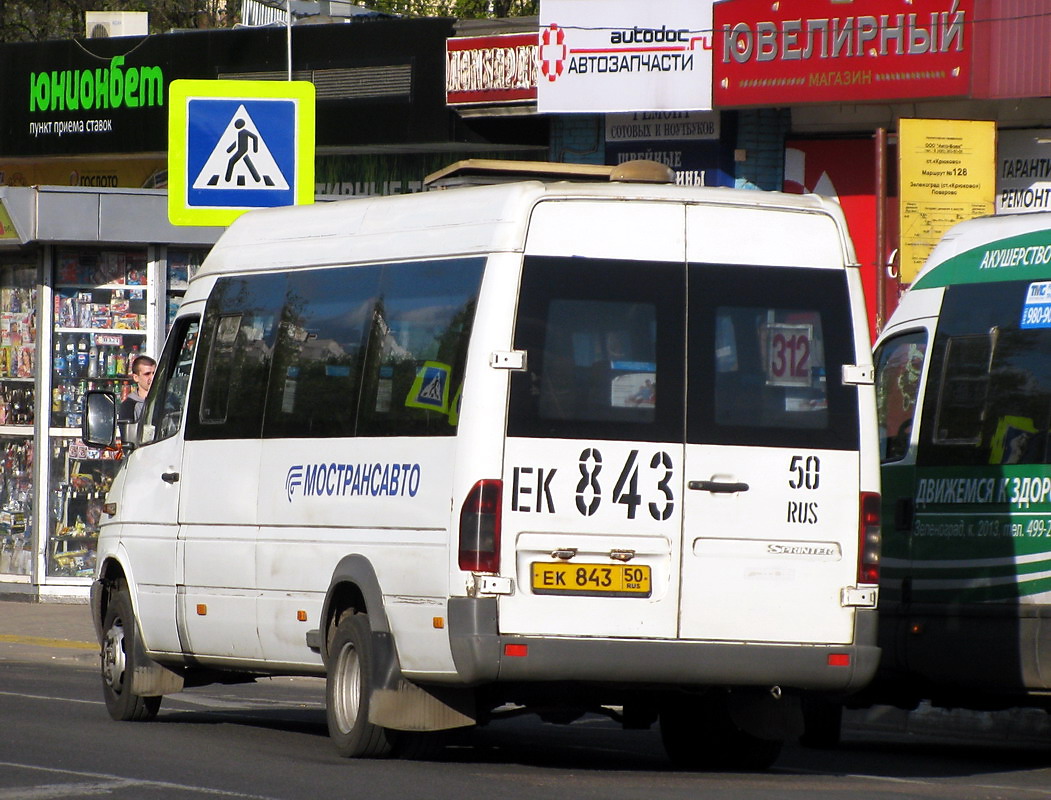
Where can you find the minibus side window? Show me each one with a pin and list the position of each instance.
(992, 398)
(163, 413)
(237, 340)
(418, 334)
(963, 390)
(1019, 415)
(316, 377)
(899, 364)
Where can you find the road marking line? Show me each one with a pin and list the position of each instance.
(245, 704)
(46, 697)
(111, 781)
(928, 782)
(53, 791)
(248, 704)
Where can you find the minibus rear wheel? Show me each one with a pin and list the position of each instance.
(348, 689)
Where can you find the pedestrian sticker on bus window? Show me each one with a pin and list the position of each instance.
(1012, 439)
(1036, 312)
(430, 389)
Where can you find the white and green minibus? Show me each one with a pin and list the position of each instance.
(964, 399)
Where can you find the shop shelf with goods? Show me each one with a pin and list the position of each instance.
(18, 338)
(101, 325)
(76, 504)
(183, 264)
(16, 504)
(18, 361)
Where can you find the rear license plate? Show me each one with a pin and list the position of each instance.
(598, 580)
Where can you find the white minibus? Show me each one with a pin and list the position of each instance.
(964, 399)
(574, 446)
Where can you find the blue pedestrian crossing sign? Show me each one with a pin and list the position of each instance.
(238, 145)
(430, 389)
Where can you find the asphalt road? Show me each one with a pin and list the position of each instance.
(268, 740)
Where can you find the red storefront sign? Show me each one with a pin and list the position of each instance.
(491, 69)
(845, 170)
(803, 51)
(1011, 53)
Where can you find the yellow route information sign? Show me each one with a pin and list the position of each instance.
(947, 173)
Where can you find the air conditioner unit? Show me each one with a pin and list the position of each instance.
(103, 24)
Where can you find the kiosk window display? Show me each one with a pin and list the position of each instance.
(18, 338)
(100, 318)
(183, 264)
(88, 278)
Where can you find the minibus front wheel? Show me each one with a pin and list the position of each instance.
(119, 632)
(348, 689)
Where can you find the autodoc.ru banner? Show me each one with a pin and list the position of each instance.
(622, 55)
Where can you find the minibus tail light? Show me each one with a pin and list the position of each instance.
(479, 549)
(869, 538)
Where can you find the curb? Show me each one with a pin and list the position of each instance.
(1012, 726)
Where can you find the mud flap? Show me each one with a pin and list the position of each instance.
(402, 705)
(150, 679)
(410, 707)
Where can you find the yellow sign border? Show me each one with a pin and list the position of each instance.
(180, 92)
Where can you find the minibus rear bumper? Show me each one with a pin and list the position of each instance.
(483, 655)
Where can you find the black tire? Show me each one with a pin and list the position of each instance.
(119, 635)
(699, 734)
(418, 745)
(348, 688)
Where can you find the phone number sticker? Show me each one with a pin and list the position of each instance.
(1036, 313)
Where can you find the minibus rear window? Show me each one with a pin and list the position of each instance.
(767, 347)
(605, 350)
(610, 353)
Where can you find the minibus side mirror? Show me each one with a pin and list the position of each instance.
(100, 419)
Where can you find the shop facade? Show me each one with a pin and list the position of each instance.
(89, 280)
(803, 98)
(497, 70)
(94, 113)
(845, 76)
(90, 268)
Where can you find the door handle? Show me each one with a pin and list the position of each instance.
(904, 511)
(170, 477)
(718, 487)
